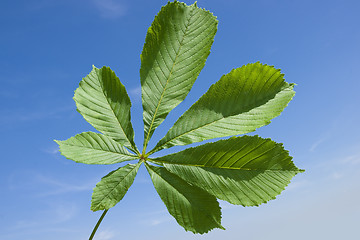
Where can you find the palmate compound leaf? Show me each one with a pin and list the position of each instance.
(102, 100)
(193, 208)
(113, 187)
(175, 50)
(246, 170)
(94, 148)
(241, 101)
(242, 170)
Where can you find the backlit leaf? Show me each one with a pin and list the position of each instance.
(176, 47)
(241, 101)
(193, 208)
(113, 187)
(246, 170)
(104, 103)
(94, 148)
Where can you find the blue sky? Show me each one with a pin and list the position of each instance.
(47, 46)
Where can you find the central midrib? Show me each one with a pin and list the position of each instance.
(227, 168)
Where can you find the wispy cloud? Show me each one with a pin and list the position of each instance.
(59, 212)
(297, 184)
(154, 213)
(60, 187)
(49, 186)
(330, 133)
(47, 220)
(36, 229)
(352, 159)
(155, 218)
(104, 235)
(110, 8)
(135, 94)
(155, 221)
(336, 175)
(22, 115)
(317, 143)
(52, 150)
(63, 212)
(135, 91)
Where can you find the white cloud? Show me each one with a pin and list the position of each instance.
(297, 184)
(24, 115)
(32, 180)
(337, 175)
(104, 235)
(52, 150)
(53, 213)
(135, 94)
(110, 8)
(155, 218)
(63, 212)
(316, 144)
(155, 221)
(353, 159)
(61, 188)
(135, 91)
(154, 213)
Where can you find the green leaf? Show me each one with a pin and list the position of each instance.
(241, 101)
(246, 170)
(104, 103)
(194, 209)
(94, 148)
(113, 187)
(176, 47)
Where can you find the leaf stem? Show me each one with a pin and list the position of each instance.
(98, 224)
